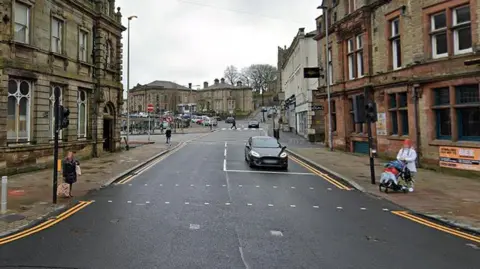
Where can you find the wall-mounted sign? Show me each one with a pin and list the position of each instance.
(460, 158)
(381, 124)
(316, 108)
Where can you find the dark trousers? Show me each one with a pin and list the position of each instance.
(276, 133)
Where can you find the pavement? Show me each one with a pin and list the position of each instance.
(445, 197)
(201, 206)
(30, 194)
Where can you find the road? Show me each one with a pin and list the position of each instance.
(186, 211)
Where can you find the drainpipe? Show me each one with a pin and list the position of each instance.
(416, 97)
(96, 88)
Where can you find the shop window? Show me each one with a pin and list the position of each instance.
(468, 111)
(442, 113)
(398, 113)
(333, 112)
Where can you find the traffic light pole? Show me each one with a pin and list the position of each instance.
(371, 150)
(55, 147)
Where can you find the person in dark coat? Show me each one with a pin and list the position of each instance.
(168, 134)
(234, 124)
(69, 168)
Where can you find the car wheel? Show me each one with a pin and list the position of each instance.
(285, 168)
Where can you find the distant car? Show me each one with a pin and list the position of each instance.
(229, 120)
(265, 151)
(253, 124)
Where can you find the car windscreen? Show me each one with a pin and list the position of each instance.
(265, 143)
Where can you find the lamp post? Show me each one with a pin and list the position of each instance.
(325, 15)
(128, 81)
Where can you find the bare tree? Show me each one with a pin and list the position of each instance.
(260, 76)
(231, 74)
(245, 77)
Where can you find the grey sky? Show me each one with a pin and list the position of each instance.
(194, 40)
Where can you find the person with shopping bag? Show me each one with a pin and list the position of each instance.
(71, 169)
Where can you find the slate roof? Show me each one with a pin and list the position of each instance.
(163, 84)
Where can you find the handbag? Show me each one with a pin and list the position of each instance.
(63, 190)
(78, 170)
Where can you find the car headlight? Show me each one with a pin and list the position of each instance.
(283, 155)
(255, 154)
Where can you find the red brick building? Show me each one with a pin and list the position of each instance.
(413, 54)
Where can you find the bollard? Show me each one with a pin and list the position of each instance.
(3, 195)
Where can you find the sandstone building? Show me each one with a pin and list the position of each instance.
(74, 46)
(226, 99)
(164, 95)
(412, 54)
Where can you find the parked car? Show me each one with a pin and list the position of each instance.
(253, 124)
(265, 151)
(229, 120)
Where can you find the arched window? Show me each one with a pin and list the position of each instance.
(82, 106)
(18, 111)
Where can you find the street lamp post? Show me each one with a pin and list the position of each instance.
(128, 81)
(330, 136)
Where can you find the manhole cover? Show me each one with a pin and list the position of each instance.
(12, 218)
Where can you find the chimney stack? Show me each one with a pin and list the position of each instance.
(205, 84)
(239, 83)
(189, 85)
(216, 81)
(222, 80)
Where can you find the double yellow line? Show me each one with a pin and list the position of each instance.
(407, 215)
(328, 178)
(150, 165)
(46, 224)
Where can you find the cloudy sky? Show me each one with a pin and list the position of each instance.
(194, 40)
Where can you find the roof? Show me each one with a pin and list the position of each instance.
(163, 84)
(220, 85)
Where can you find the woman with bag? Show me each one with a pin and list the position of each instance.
(70, 168)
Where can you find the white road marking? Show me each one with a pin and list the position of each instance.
(194, 226)
(292, 187)
(293, 206)
(274, 187)
(315, 206)
(227, 203)
(187, 203)
(146, 184)
(225, 144)
(130, 185)
(270, 205)
(225, 152)
(311, 188)
(147, 202)
(207, 185)
(339, 207)
(109, 201)
(224, 185)
(129, 202)
(329, 189)
(249, 204)
(240, 186)
(207, 203)
(385, 209)
(363, 208)
(276, 233)
(161, 185)
(263, 172)
(140, 204)
(167, 203)
(191, 185)
(176, 185)
(223, 129)
(257, 186)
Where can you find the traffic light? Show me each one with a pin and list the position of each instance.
(371, 111)
(63, 121)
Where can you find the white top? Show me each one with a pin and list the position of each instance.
(410, 156)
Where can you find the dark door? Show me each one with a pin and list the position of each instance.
(107, 134)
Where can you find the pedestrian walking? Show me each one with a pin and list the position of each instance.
(234, 124)
(408, 155)
(168, 134)
(71, 169)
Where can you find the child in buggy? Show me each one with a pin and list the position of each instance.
(396, 177)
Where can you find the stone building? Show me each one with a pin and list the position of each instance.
(410, 56)
(74, 47)
(224, 98)
(164, 95)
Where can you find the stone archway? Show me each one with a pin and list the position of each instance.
(109, 121)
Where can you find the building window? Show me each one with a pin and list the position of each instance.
(22, 23)
(18, 111)
(467, 100)
(442, 113)
(355, 57)
(82, 113)
(439, 35)
(395, 47)
(57, 35)
(351, 59)
(355, 127)
(82, 46)
(462, 31)
(351, 6)
(52, 115)
(398, 113)
(330, 67)
(333, 112)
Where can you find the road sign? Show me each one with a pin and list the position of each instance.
(311, 72)
(150, 108)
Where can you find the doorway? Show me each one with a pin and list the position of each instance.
(107, 134)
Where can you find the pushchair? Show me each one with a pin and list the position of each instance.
(396, 177)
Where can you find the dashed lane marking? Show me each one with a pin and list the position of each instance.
(412, 217)
(47, 224)
(322, 175)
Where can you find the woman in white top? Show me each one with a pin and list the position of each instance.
(408, 155)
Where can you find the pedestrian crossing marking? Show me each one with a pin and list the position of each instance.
(240, 129)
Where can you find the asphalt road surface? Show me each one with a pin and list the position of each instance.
(188, 212)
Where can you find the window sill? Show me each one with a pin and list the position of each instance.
(82, 139)
(24, 45)
(439, 142)
(19, 145)
(56, 54)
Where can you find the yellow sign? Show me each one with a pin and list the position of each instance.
(460, 158)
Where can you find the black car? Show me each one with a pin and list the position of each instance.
(265, 151)
(253, 124)
(229, 120)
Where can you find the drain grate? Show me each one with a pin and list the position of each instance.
(12, 218)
